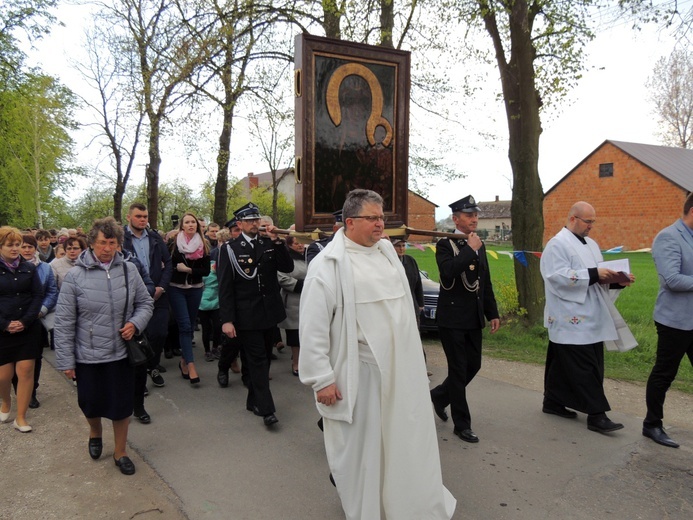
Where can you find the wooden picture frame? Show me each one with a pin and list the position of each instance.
(352, 128)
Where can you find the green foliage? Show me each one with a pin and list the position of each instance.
(35, 146)
(263, 198)
(32, 19)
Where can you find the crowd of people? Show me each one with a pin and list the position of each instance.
(344, 303)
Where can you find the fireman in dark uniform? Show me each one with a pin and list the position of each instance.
(316, 247)
(250, 304)
(466, 301)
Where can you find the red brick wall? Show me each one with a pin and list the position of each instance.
(632, 206)
(422, 215)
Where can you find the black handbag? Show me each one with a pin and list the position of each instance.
(138, 347)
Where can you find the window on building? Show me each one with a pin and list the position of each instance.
(606, 170)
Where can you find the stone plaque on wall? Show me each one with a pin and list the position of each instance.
(352, 127)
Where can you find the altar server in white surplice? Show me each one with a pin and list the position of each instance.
(580, 317)
(361, 353)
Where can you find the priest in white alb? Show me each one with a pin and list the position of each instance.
(361, 353)
(580, 317)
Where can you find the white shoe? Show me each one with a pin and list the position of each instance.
(23, 429)
(4, 416)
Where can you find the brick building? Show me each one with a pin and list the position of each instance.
(422, 215)
(636, 190)
(421, 211)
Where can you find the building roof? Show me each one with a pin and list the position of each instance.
(422, 197)
(675, 164)
(494, 209)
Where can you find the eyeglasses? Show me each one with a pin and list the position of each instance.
(588, 222)
(372, 218)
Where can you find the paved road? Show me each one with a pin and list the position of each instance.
(205, 457)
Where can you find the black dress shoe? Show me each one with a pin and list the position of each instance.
(95, 447)
(440, 411)
(270, 419)
(466, 435)
(658, 435)
(125, 464)
(176, 351)
(560, 410)
(34, 403)
(168, 355)
(602, 424)
(143, 417)
(223, 378)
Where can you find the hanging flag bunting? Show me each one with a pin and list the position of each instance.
(418, 246)
(493, 254)
(520, 256)
(538, 255)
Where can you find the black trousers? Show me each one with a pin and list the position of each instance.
(254, 344)
(672, 345)
(211, 328)
(463, 352)
(157, 330)
(574, 377)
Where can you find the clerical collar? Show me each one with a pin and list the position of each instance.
(581, 239)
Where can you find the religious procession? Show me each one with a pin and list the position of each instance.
(125, 312)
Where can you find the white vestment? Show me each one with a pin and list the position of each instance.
(358, 330)
(577, 313)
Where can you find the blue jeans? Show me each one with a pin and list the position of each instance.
(184, 305)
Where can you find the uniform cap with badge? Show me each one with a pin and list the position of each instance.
(248, 212)
(465, 205)
(231, 223)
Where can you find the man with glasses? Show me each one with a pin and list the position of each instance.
(465, 302)
(579, 316)
(361, 353)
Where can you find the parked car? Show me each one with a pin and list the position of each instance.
(430, 292)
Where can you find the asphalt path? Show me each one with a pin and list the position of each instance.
(221, 462)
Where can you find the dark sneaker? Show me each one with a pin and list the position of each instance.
(209, 356)
(156, 378)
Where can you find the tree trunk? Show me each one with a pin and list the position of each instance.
(331, 18)
(387, 23)
(522, 105)
(152, 172)
(221, 188)
(118, 200)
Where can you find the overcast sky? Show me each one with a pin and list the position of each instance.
(610, 102)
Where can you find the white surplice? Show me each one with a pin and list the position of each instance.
(577, 313)
(380, 440)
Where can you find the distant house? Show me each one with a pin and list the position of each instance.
(286, 182)
(421, 211)
(495, 218)
(422, 215)
(636, 190)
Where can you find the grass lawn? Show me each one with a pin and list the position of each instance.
(514, 341)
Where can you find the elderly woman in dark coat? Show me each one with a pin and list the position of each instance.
(103, 301)
(21, 295)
